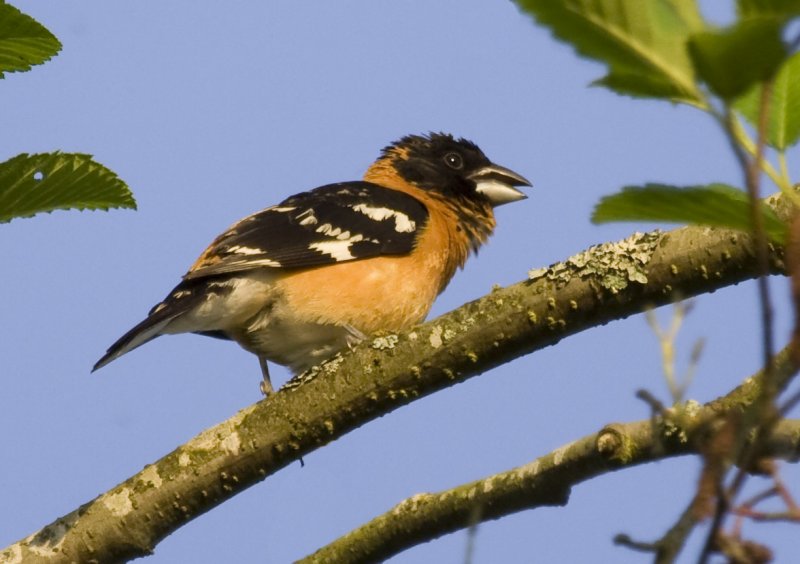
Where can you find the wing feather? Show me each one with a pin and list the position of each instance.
(333, 223)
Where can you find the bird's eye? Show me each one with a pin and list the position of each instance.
(454, 161)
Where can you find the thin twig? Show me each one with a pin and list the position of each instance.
(752, 171)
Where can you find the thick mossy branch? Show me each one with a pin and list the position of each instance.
(549, 479)
(602, 284)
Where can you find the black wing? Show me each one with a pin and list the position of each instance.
(333, 223)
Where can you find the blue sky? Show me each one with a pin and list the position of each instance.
(213, 110)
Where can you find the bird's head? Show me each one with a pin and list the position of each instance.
(455, 167)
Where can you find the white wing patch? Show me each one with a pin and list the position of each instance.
(339, 250)
(331, 231)
(402, 223)
(265, 262)
(307, 217)
(241, 250)
(249, 251)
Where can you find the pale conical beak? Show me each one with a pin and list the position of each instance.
(497, 184)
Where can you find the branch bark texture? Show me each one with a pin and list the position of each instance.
(548, 479)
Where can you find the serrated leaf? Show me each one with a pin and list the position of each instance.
(783, 119)
(30, 184)
(716, 205)
(733, 59)
(640, 86)
(643, 43)
(23, 41)
(780, 8)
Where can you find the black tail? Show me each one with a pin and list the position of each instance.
(183, 298)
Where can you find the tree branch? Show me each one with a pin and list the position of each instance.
(604, 283)
(549, 479)
(545, 481)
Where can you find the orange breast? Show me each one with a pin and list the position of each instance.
(378, 294)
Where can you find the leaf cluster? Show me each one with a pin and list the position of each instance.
(666, 50)
(30, 184)
(745, 76)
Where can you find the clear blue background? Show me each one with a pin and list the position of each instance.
(212, 110)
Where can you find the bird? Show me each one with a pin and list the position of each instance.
(300, 281)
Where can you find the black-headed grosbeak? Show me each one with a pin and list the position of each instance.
(297, 282)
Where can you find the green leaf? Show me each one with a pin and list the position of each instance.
(783, 119)
(30, 184)
(642, 42)
(779, 8)
(23, 41)
(733, 59)
(717, 205)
